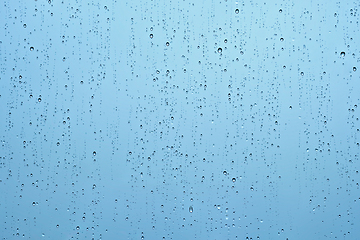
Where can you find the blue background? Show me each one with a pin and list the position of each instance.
(179, 119)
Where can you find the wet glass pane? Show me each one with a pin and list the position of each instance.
(179, 119)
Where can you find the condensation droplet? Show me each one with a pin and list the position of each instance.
(151, 35)
(342, 54)
(94, 153)
(191, 209)
(219, 50)
(354, 69)
(237, 11)
(234, 179)
(31, 48)
(167, 43)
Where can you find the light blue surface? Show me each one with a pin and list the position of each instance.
(222, 124)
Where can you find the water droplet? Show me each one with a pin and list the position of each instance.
(31, 48)
(58, 144)
(281, 39)
(94, 153)
(280, 10)
(191, 209)
(24, 25)
(225, 41)
(224, 172)
(342, 54)
(151, 28)
(39, 99)
(354, 69)
(234, 179)
(219, 50)
(237, 11)
(302, 73)
(20, 77)
(167, 43)
(151, 35)
(77, 227)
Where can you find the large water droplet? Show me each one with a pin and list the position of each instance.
(191, 209)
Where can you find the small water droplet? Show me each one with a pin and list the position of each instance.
(24, 25)
(191, 209)
(31, 48)
(281, 39)
(237, 11)
(167, 43)
(280, 10)
(342, 54)
(302, 73)
(354, 69)
(219, 50)
(234, 179)
(224, 172)
(94, 153)
(151, 35)
(39, 99)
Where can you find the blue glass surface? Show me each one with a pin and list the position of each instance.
(179, 119)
